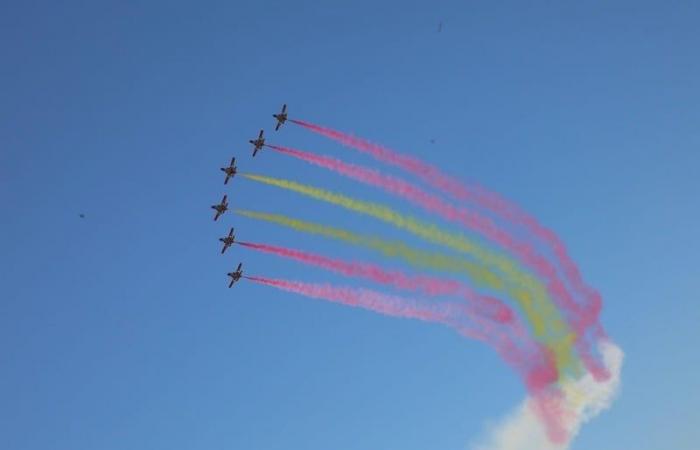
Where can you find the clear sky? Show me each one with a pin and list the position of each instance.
(117, 330)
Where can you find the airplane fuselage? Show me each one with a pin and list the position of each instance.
(235, 276)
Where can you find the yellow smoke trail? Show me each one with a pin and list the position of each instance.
(426, 231)
(560, 344)
(481, 276)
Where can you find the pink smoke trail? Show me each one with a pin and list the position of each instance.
(468, 219)
(430, 286)
(363, 298)
(539, 373)
(580, 318)
(580, 321)
(480, 304)
(475, 194)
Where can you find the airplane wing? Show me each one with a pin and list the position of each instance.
(239, 267)
(277, 127)
(261, 134)
(217, 215)
(284, 108)
(227, 177)
(231, 283)
(223, 201)
(255, 151)
(230, 233)
(233, 161)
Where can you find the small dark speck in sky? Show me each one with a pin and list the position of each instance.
(82, 216)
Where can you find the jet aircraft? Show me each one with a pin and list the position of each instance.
(235, 276)
(228, 240)
(281, 117)
(220, 208)
(230, 171)
(258, 143)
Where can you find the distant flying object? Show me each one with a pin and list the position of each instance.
(281, 117)
(220, 208)
(235, 276)
(228, 240)
(230, 171)
(258, 143)
(82, 216)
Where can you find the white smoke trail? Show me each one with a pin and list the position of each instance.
(584, 399)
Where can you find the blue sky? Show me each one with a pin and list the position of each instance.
(117, 330)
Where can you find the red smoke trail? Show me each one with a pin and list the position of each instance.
(535, 379)
(468, 219)
(533, 361)
(538, 372)
(367, 299)
(432, 286)
(581, 318)
(475, 194)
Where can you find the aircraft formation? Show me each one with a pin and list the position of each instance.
(230, 172)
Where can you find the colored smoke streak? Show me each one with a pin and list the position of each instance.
(469, 220)
(394, 249)
(541, 313)
(483, 305)
(537, 369)
(416, 258)
(474, 194)
(364, 298)
(580, 317)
